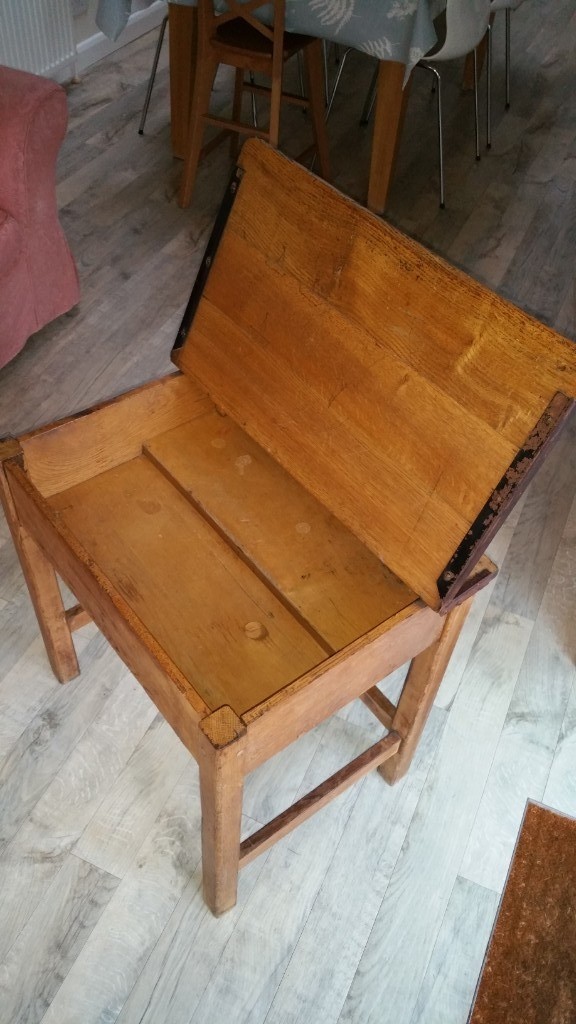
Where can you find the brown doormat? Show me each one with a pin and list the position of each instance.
(529, 972)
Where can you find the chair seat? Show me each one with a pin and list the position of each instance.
(240, 35)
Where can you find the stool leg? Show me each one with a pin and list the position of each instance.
(476, 106)
(221, 756)
(205, 74)
(44, 592)
(275, 103)
(313, 56)
(424, 677)
(489, 86)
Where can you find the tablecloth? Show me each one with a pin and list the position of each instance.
(399, 30)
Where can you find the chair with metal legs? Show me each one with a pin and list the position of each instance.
(507, 6)
(466, 24)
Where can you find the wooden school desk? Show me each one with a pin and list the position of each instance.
(305, 506)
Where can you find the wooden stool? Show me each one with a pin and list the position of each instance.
(238, 39)
(264, 536)
(529, 973)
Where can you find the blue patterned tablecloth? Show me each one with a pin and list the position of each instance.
(400, 30)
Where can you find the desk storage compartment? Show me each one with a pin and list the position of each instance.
(242, 578)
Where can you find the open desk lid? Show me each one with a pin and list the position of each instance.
(414, 403)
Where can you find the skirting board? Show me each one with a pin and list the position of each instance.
(98, 46)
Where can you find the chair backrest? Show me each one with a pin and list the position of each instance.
(211, 17)
(407, 398)
(466, 24)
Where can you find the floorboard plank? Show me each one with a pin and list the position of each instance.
(52, 940)
(118, 948)
(46, 837)
(530, 735)
(343, 914)
(450, 980)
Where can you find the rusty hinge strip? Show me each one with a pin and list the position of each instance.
(505, 495)
(208, 258)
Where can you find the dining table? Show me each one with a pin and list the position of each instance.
(398, 33)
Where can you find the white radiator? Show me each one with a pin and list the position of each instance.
(37, 35)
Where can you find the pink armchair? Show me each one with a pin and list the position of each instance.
(38, 279)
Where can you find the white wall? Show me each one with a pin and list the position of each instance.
(92, 44)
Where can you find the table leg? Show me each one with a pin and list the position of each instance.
(183, 24)
(388, 119)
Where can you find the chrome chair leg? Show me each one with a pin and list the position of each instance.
(325, 45)
(337, 80)
(370, 98)
(507, 61)
(253, 100)
(489, 87)
(300, 61)
(152, 75)
(330, 98)
(440, 139)
(508, 14)
(476, 106)
(436, 73)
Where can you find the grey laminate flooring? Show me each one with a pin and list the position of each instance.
(379, 908)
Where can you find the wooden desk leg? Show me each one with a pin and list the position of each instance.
(424, 677)
(183, 27)
(221, 757)
(43, 587)
(388, 120)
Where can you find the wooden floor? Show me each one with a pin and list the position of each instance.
(377, 910)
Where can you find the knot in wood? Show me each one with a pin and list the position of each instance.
(255, 630)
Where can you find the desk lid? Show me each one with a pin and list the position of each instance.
(414, 403)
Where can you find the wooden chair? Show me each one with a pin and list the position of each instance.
(238, 39)
(264, 536)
